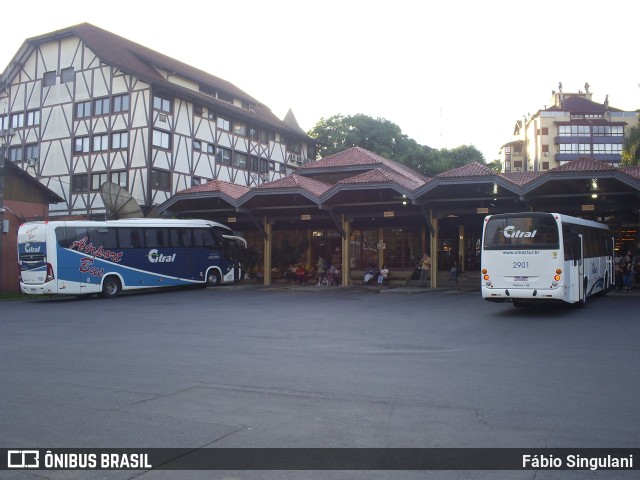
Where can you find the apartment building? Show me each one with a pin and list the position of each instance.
(82, 106)
(574, 126)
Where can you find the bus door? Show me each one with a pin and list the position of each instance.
(231, 253)
(579, 261)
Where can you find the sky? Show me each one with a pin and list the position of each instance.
(447, 73)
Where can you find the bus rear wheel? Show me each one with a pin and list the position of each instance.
(213, 278)
(111, 287)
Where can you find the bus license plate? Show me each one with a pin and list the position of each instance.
(520, 279)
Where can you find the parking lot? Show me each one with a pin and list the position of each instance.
(248, 366)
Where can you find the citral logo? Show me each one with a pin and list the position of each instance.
(511, 232)
(28, 248)
(155, 257)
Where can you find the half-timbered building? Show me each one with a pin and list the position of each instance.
(82, 106)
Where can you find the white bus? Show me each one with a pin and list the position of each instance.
(536, 257)
(88, 257)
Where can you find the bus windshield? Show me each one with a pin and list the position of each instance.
(521, 231)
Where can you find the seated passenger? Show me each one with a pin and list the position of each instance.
(369, 274)
(383, 274)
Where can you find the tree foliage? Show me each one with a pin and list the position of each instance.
(631, 148)
(338, 133)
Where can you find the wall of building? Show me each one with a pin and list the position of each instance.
(16, 213)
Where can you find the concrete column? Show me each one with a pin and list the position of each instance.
(434, 250)
(345, 269)
(461, 251)
(267, 245)
(381, 251)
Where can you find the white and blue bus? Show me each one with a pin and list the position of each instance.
(536, 257)
(88, 257)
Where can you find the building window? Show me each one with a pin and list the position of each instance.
(97, 179)
(223, 124)
(81, 145)
(196, 181)
(49, 79)
(161, 139)
(223, 156)
(120, 103)
(544, 131)
(239, 160)
(608, 131)
(67, 75)
(161, 180)
(545, 148)
(32, 151)
(282, 167)
(264, 165)
(263, 136)
(17, 120)
(517, 164)
(79, 183)
(211, 149)
(573, 131)
(253, 134)
(4, 122)
(83, 109)
(162, 104)
(545, 165)
(100, 143)
(197, 145)
(240, 129)
(120, 178)
(16, 154)
(101, 106)
(607, 148)
(253, 164)
(33, 118)
(119, 140)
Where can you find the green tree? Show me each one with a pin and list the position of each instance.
(631, 148)
(338, 133)
(496, 166)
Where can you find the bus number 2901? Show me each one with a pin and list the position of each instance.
(520, 265)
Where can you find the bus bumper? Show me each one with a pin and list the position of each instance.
(41, 289)
(529, 294)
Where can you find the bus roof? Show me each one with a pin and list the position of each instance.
(563, 218)
(134, 222)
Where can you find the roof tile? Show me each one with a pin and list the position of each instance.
(297, 181)
(355, 156)
(230, 189)
(474, 169)
(584, 164)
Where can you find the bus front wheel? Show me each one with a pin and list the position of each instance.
(111, 287)
(213, 278)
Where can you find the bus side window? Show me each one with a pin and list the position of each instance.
(131, 238)
(103, 237)
(179, 237)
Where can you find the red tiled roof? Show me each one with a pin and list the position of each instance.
(584, 164)
(633, 171)
(379, 175)
(230, 189)
(297, 181)
(357, 156)
(521, 178)
(474, 169)
(579, 104)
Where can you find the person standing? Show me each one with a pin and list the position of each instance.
(425, 269)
